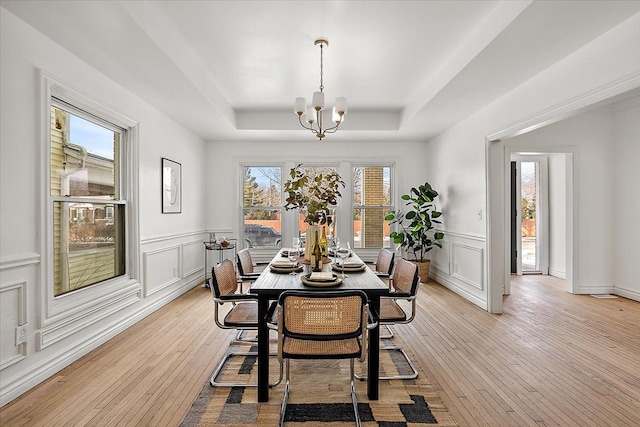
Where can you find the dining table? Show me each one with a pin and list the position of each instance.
(273, 281)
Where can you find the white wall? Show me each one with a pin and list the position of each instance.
(224, 174)
(165, 239)
(624, 212)
(558, 215)
(457, 158)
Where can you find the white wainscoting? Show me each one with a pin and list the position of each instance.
(459, 266)
(467, 264)
(192, 257)
(172, 265)
(13, 328)
(161, 268)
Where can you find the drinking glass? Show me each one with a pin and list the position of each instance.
(292, 254)
(335, 244)
(343, 253)
(296, 242)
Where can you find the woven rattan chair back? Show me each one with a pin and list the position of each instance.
(224, 279)
(315, 317)
(245, 263)
(322, 325)
(405, 277)
(384, 263)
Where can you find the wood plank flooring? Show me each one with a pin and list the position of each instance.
(552, 358)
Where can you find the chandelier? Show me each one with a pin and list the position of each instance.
(314, 113)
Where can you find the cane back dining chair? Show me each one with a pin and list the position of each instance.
(247, 269)
(384, 263)
(322, 325)
(242, 316)
(404, 287)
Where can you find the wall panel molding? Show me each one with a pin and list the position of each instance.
(13, 304)
(169, 237)
(15, 385)
(468, 264)
(192, 257)
(53, 333)
(466, 236)
(19, 261)
(441, 259)
(162, 268)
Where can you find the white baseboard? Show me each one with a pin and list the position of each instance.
(19, 384)
(558, 273)
(627, 293)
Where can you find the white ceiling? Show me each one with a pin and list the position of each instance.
(230, 70)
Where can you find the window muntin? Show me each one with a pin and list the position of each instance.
(371, 203)
(262, 206)
(88, 213)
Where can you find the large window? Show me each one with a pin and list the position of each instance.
(371, 203)
(87, 205)
(262, 206)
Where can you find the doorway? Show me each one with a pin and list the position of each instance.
(530, 214)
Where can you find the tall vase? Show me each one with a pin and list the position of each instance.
(310, 240)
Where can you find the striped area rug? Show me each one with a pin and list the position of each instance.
(320, 396)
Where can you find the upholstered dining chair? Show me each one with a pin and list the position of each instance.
(322, 325)
(404, 287)
(242, 316)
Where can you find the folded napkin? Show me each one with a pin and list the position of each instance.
(353, 264)
(283, 264)
(321, 276)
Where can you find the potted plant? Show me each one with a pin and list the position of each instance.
(417, 234)
(314, 197)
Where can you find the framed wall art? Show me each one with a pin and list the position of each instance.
(171, 186)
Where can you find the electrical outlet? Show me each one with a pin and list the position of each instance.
(21, 334)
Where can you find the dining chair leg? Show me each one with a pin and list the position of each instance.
(213, 380)
(411, 376)
(285, 398)
(389, 335)
(354, 398)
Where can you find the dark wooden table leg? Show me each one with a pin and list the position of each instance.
(374, 351)
(263, 349)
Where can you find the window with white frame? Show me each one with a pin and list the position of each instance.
(86, 202)
(262, 206)
(371, 203)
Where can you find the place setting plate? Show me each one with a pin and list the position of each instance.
(353, 268)
(283, 268)
(327, 281)
(285, 252)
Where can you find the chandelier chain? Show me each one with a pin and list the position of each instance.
(321, 73)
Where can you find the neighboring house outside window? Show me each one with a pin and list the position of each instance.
(371, 203)
(88, 208)
(262, 206)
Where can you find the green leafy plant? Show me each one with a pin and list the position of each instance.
(417, 232)
(313, 195)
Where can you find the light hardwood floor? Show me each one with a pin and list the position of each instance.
(552, 358)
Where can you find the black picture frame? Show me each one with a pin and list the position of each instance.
(171, 186)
